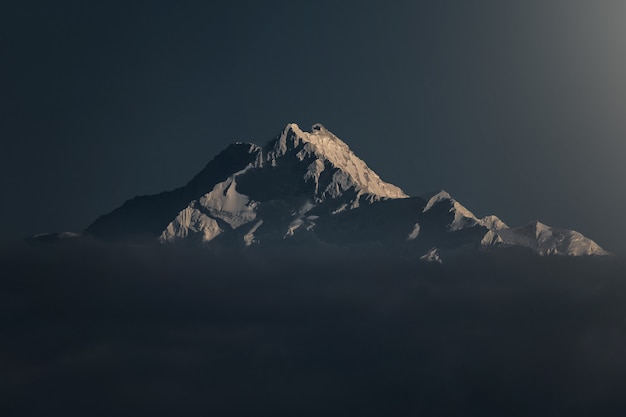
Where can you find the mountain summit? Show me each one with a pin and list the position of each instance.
(328, 151)
(309, 187)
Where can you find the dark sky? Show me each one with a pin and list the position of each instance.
(515, 108)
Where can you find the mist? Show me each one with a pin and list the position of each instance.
(93, 329)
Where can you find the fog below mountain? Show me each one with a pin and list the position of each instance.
(94, 329)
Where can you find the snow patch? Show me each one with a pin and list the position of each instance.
(432, 256)
(249, 238)
(190, 222)
(293, 226)
(313, 172)
(415, 232)
(226, 203)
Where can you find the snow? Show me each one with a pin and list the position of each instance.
(436, 198)
(225, 203)
(342, 185)
(325, 146)
(537, 236)
(297, 224)
(320, 149)
(340, 209)
(313, 172)
(546, 240)
(293, 226)
(491, 238)
(191, 222)
(492, 223)
(432, 256)
(415, 232)
(462, 216)
(249, 237)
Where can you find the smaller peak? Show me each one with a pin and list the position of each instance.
(537, 225)
(492, 222)
(536, 228)
(441, 194)
(435, 197)
(292, 127)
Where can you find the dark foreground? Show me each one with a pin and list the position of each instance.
(114, 331)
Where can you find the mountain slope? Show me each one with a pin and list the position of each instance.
(147, 216)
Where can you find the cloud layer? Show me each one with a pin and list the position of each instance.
(111, 330)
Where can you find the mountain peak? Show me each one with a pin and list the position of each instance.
(327, 147)
(318, 127)
(292, 136)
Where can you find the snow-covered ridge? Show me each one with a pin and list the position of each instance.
(540, 238)
(546, 240)
(463, 217)
(323, 144)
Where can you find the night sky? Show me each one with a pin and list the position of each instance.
(516, 108)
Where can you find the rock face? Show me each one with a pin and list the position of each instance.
(309, 187)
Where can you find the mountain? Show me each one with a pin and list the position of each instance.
(310, 188)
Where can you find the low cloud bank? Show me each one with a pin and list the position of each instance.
(90, 329)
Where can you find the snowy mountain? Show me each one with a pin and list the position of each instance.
(310, 188)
